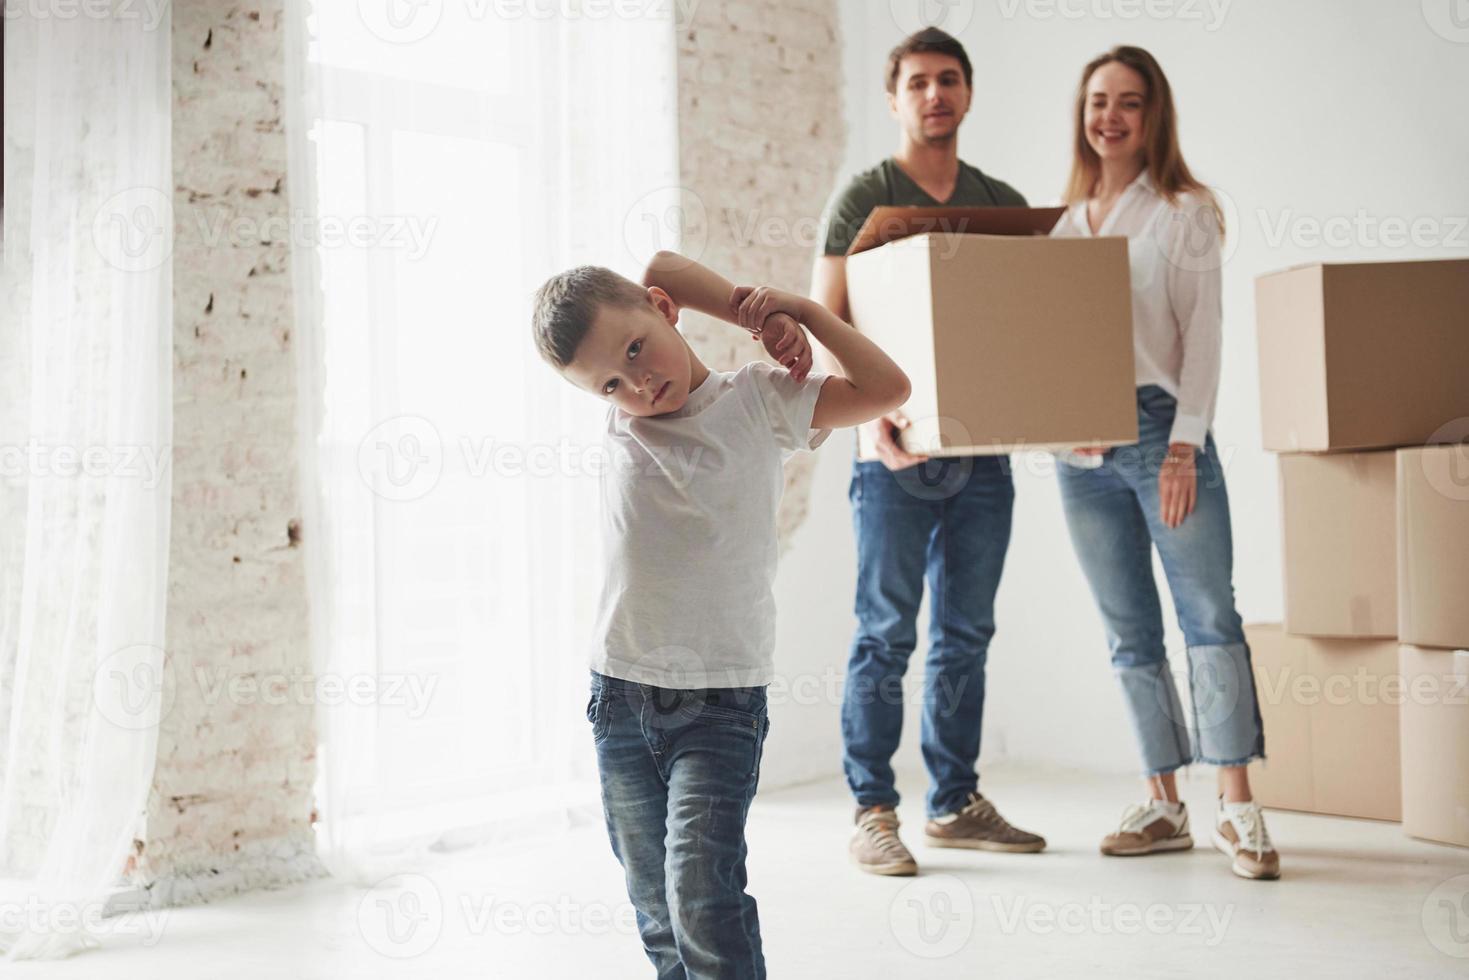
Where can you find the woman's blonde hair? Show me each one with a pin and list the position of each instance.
(1165, 165)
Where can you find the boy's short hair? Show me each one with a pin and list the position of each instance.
(930, 39)
(568, 302)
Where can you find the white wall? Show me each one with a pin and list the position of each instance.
(1302, 112)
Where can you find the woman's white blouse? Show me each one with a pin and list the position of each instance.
(1174, 251)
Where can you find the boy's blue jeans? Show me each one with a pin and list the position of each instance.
(678, 771)
(947, 521)
(1113, 516)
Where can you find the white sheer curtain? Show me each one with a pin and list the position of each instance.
(451, 491)
(85, 397)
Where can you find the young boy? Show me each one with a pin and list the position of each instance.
(685, 633)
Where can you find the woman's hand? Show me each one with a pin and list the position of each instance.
(1178, 484)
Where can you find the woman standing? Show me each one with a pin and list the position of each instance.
(1128, 178)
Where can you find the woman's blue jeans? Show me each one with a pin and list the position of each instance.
(1113, 516)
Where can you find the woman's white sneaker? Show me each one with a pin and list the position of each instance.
(1150, 828)
(1239, 831)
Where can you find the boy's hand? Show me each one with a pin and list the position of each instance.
(752, 304)
(770, 314)
(785, 341)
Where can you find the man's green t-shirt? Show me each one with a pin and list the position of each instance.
(887, 185)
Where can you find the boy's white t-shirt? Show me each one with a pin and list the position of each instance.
(689, 503)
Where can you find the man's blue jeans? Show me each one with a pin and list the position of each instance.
(678, 771)
(947, 521)
(1113, 516)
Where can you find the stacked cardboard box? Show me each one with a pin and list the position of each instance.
(1363, 392)
(1329, 707)
(1433, 627)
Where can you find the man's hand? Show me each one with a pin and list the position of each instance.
(1178, 484)
(770, 315)
(882, 434)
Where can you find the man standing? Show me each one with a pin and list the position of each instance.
(947, 520)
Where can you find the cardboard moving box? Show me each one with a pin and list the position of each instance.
(1330, 712)
(1339, 529)
(1012, 340)
(1433, 545)
(1361, 356)
(1435, 734)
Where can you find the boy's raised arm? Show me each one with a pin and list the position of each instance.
(697, 287)
(869, 384)
(690, 284)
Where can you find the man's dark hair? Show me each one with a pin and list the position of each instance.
(568, 302)
(930, 39)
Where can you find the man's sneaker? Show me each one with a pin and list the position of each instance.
(1150, 828)
(1239, 831)
(875, 846)
(978, 825)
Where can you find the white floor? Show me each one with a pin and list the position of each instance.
(1358, 899)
